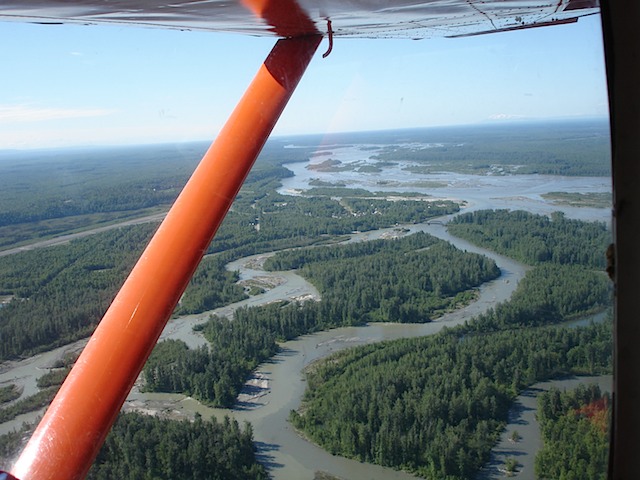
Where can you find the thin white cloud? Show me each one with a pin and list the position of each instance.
(26, 113)
(504, 116)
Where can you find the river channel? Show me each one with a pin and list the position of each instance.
(277, 386)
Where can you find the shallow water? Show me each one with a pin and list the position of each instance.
(522, 418)
(480, 191)
(287, 455)
(280, 384)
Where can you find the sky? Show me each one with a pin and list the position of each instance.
(66, 85)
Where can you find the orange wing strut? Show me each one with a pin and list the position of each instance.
(72, 431)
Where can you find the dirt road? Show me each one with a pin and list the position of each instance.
(156, 217)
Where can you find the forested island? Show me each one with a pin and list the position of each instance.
(60, 293)
(142, 446)
(436, 405)
(412, 279)
(432, 405)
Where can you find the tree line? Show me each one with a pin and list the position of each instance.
(436, 405)
(144, 447)
(575, 434)
(535, 239)
(409, 279)
(562, 148)
(62, 292)
(412, 279)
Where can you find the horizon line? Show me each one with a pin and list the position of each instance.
(276, 136)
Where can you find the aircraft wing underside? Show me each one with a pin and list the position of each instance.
(415, 19)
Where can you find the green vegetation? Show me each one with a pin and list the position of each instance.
(274, 221)
(408, 280)
(511, 465)
(590, 199)
(48, 385)
(555, 149)
(432, 405)
(316, 182)
(575, 428)
(9, 393)
(436, 405)
(335, 191)
(546, 295)
(11, 443)
(70, 183)
(404, 211)
(60, 293)
(28, 404)
(411, 279)
(211, 286)
(145, 447)
(26, 233)
(53, 377)
(48, 193)
(535, 239)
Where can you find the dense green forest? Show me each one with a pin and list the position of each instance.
(535, 239)
(9, 393)
(410, 279)
(48, 192)
(142, 447)
(447, 393)
(406, 280)
(575, 427)
(435, 405)
(210, 287)
(274, 221)
(60, 293)
(44, 185)
(549, 294)
(47, 184)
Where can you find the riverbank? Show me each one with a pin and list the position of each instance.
(277, 386)
(522, 419)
